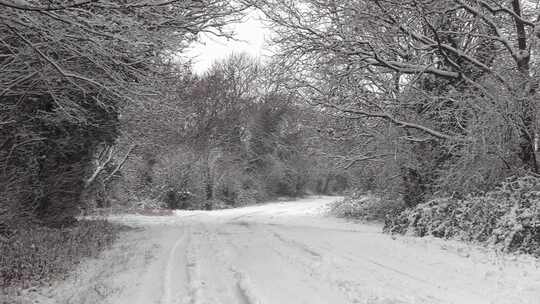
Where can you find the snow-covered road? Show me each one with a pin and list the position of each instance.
(289, 252)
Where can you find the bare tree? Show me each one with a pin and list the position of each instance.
(108, 47)
(370, 58)
(66, 72)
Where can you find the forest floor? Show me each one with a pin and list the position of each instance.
(289, 252)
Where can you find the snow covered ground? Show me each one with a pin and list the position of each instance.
(290, 252)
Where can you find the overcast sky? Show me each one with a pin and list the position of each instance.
(251, 33)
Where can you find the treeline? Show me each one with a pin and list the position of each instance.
(230, 137)
(67, 72)
(434, 99)
(99, 109)
(412, 101)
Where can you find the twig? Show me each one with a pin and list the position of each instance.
(26, 7)
(53, 63)
(119, 166)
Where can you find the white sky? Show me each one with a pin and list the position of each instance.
(251, 36)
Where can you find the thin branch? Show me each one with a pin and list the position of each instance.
(363, 158)
(17, 82)
(395, 121)
(21, 6)
(121, 164)
(101, 164)
(52, 62)
(502, 9)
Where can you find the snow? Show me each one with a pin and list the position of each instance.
(291, 252)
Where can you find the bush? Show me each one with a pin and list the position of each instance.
(247, 197)
(366, 206)
(470, 219)
(151, 204)
(45, 156)
(508, 217)
(34, 255)
(175, 200)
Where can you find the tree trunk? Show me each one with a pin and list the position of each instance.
(327, 183)
(209, 181)
(528, 140)
(526, 90)
(413, 186)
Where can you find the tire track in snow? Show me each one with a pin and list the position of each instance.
(304, 265)
(167, 297)
(205, 272)
(246, 294)
(193, 273)
(384, 271)
(232, 220)
(325, 268)
(301, 246)
(187, 263)
(244, 290)
(314, 264)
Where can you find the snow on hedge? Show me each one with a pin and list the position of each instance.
(508, 217)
